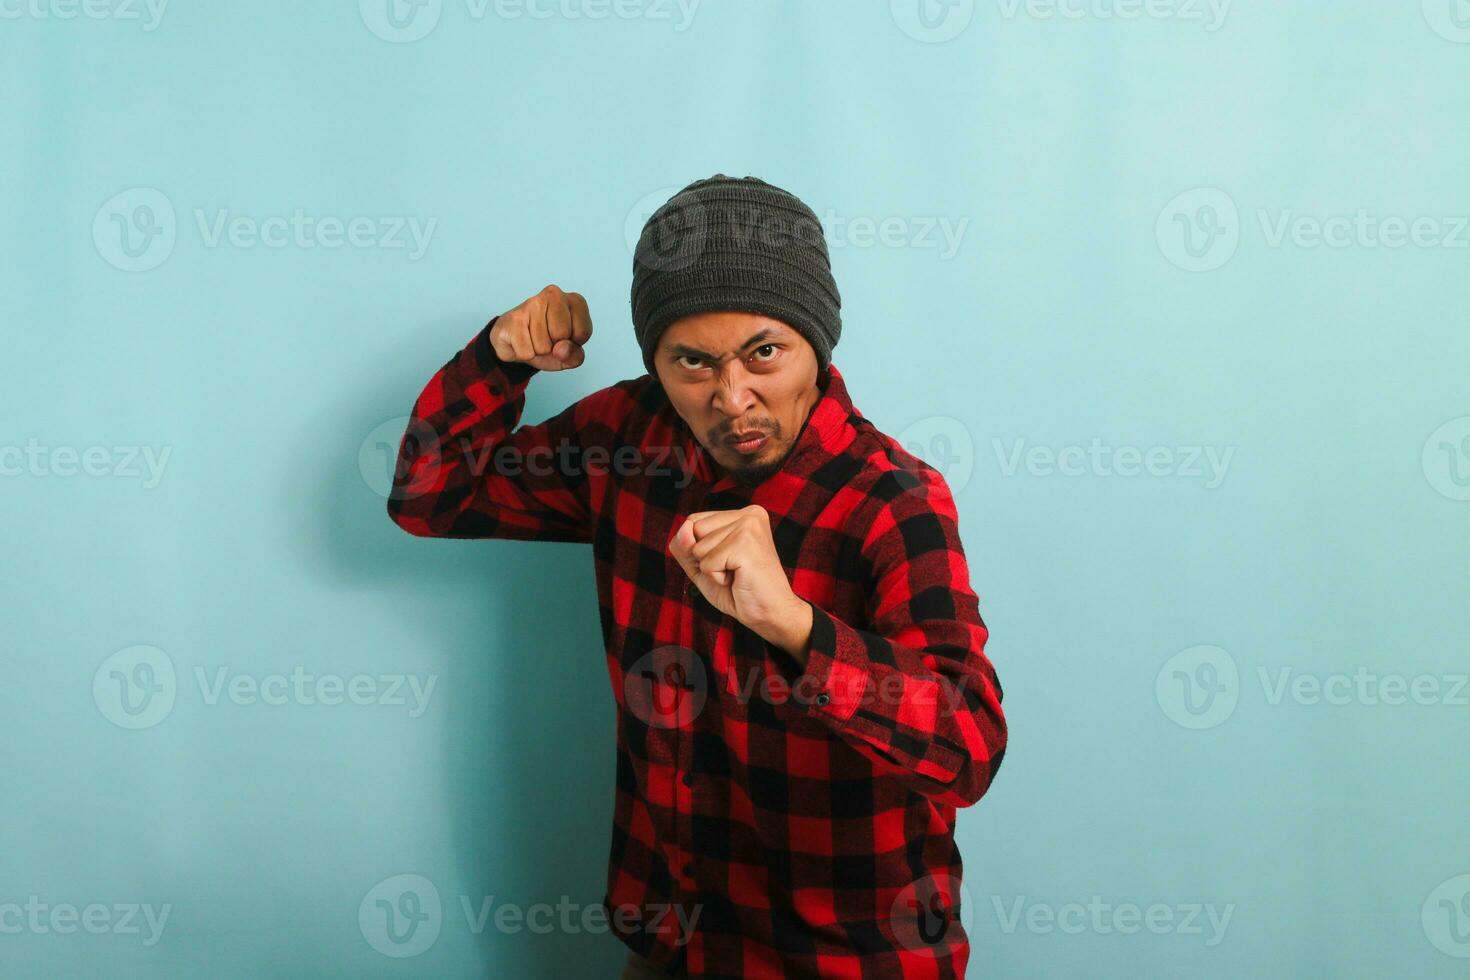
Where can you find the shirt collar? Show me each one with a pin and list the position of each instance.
(822, 436)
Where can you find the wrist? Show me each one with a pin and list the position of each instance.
(792, 631)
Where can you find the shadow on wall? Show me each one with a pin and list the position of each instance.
(529, 754)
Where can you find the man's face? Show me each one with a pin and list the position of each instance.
(730, 373)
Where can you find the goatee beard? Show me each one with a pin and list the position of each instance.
(758, 473)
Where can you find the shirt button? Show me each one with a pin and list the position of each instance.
(689, 870)
(688, 779)
(823, 698)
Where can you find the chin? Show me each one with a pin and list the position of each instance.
(755, 471)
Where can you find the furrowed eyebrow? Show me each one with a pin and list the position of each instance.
(683, 350)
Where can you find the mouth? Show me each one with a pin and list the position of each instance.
(750, 442)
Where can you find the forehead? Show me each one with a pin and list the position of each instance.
(723, 331)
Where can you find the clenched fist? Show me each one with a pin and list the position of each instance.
(547, 331)
(731, 556)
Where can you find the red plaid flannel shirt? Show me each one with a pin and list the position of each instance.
(765, 824)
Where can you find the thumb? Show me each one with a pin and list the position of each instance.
(571, 355)
(681, 546)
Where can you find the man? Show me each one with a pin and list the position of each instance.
(792, 638)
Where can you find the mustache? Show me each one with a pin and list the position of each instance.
(726, 432)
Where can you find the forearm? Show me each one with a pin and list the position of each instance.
(464, 469)
(924, 703)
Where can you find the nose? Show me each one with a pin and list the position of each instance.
(733, 395)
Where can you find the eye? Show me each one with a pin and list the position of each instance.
(772, 348)
(689, 357)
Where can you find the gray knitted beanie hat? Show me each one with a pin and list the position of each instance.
(726, 243)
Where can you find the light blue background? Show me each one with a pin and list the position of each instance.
(1058, 147)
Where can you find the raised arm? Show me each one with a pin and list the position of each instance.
(463, 468)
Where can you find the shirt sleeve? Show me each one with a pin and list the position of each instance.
(916, 692)
(464, 470)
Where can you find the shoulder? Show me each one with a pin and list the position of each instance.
(614, 401)
(624, 410)
(891, 474)
(900, 492)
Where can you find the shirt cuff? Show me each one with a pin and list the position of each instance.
(835, 678)
(517, 373)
